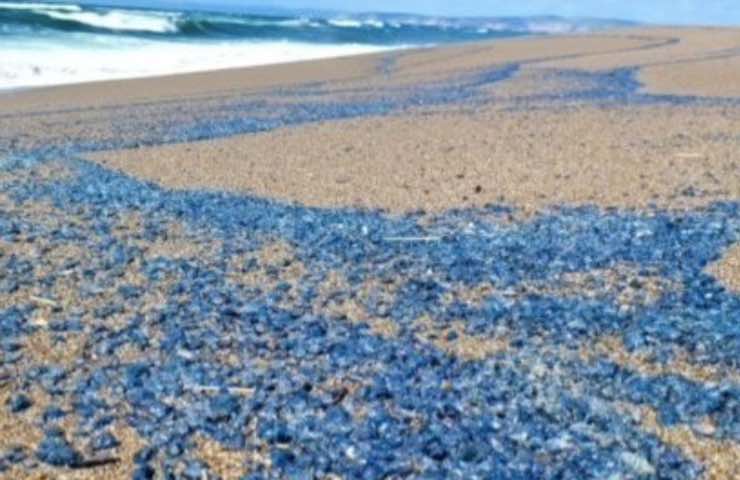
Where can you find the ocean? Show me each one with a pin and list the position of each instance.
(45, 43)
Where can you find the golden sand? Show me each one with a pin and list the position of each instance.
(352, 308)
(436, 159)
(681, 364)
(455, 341)
(227, 464)
(618, 157)
(719, 458)
(727, 269)
(710, 78)
(443, 157)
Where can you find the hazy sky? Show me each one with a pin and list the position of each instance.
(659, 11)
(655, 11)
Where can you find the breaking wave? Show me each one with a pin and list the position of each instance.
(43, 43)
(363, 28)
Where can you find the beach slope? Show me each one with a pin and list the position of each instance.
(514, 259)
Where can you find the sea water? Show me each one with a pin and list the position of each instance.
(43, 43)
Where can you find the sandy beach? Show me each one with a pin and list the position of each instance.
(512, 259)
(521, 148)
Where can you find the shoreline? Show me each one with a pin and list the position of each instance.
(382, 50)
(313, 70)
(277, 71)
(376, 50)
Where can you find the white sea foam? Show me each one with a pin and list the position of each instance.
(40, 6)
(260, 22)
(374, 23)
(97, 57)
(64, 50)
(353, 23)
(120, 20)
(554, 27)
(345, 23)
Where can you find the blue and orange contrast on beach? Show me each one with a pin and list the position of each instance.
(507, 259)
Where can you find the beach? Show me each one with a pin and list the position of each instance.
(517, 258)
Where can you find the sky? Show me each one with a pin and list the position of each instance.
(706, 12)
(655, 11)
